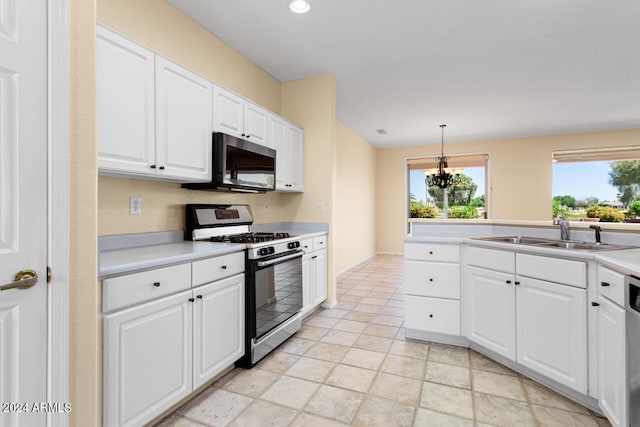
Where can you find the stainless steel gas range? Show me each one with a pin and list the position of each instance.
(273, 274)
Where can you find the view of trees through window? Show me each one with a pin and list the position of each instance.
(466, 199)
(597, 190)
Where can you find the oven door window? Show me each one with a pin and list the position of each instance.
(278, 294)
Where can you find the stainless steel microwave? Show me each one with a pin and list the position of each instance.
(240, 165)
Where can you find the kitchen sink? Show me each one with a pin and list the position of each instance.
(550, 243)
(583, 246)
(522, 240)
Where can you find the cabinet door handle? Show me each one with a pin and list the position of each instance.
(161, 168)
(430, 252)
(199, 296)
(431, 279)
(156, 284)
(594, 304)
(191, 299)
(244, 134)
(516, 283)
(224, 267)
(605, 284)
(431, 316)
(508, 282)
(152, 166)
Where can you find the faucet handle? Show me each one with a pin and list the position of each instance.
(595, 227)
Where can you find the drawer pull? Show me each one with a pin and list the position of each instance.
(605, 284)
(199, 296)
(431, 315)
(516, 283)
(156, 284)
(192, 299)
(595, 304)
(508, 282)
(430, 252)
(224, 267)
(431, 279)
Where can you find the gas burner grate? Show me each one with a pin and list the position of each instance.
(250, 237)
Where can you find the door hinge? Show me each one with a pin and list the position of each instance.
(48, 274)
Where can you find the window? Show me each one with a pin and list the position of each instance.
(465, 200)
(597, 185)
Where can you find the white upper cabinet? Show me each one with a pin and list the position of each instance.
(255, 124)
(126, 105)
(183, 108)
(154, 116)
(288, 140)
(236, 116)
(228, 112)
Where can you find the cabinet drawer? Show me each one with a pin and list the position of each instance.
(432, 279)
(212, 269)
(307, 245)
(567, 272)
(433, 315)
(611, 285)
(319, 243)
(491, 259)
(131, 289)
(432, 251)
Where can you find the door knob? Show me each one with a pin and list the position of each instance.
(24, 279)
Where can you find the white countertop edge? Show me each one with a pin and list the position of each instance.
(133, 260)
(625, 261)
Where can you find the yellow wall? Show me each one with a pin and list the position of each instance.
(356, 188)
(520, 177)
(85, 340)
(312, 103)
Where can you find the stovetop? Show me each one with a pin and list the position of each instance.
(251, 237)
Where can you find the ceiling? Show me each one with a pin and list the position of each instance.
(489, 69)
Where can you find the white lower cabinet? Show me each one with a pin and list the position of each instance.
(314, 272)
(158, 352)
(432, 288)
(490, 310)
(218, 327)
(147, 359)
(551, 330)
(612, 362)
(537, 323)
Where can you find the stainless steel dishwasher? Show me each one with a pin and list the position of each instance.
(632, 286)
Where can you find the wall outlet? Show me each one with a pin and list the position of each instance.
(135, 205)
(319, 206)
(266, 206)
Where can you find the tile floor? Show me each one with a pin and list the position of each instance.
(351, 365)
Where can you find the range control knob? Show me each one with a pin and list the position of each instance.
(293, 245)
(263, 251)
(271, 250)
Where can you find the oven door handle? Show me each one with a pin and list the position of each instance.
(280, 259)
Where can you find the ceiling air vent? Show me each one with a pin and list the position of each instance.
(382, 131)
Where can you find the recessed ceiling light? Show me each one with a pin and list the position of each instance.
(299, 6)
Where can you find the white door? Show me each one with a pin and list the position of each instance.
(255, 124)
(183, 123)
(218, 330)
(126, 105)
(612, 362)
(23, 207)
(490, 310)
(551, 324)
(296, 158)
(147, 359)
(228, 112)
(320, 277)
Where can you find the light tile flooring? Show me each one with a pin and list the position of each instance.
(351, 365)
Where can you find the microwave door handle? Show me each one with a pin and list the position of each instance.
(280, 259)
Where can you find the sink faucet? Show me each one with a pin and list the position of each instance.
(564, 226)
(598, 230)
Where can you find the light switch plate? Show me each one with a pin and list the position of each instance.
(135, 205)
(319, 206)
